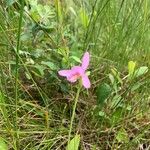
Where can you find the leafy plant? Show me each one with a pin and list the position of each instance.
(103, 91)
(74, 143)
(135, 73)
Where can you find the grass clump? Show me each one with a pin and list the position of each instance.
(39, 38)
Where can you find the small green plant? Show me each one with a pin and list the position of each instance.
(77, 72)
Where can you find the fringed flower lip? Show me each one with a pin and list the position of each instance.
(78, 72)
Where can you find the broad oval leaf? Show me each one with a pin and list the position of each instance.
(142, 70)
(103, 91)
(74, 143)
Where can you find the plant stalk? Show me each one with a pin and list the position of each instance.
(73, 112)
(17, 74)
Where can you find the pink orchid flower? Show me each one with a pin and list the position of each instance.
(78, 72)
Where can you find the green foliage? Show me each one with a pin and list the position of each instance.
(103, 91)
(51, 65)
(131, 68)
(41, 13)
(134, 73)
(74, 143)
(141, 71)
(116, 74)
(3, 145)
(116, 116)
(122, 136)
(53, 36)
(84, 18)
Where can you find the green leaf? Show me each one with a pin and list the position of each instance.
(116, 74)
(74, 143)
(51, 65)
(84, 18)
(3, 145)
(122, 136)
(76, 59)
(116, 116)
(103, 91)
(136, 86)
(40, 69)
(131, 68)
(142, 70)
(115, 101)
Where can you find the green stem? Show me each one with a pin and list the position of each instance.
(73, 112)
(17, 74)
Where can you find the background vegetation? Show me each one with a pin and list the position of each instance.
(40, 37)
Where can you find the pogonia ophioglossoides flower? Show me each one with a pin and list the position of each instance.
(78, 72)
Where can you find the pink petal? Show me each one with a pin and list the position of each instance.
(65, 73)
(86, 82)
(85, 60)
(76, 72)
(77, 69)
